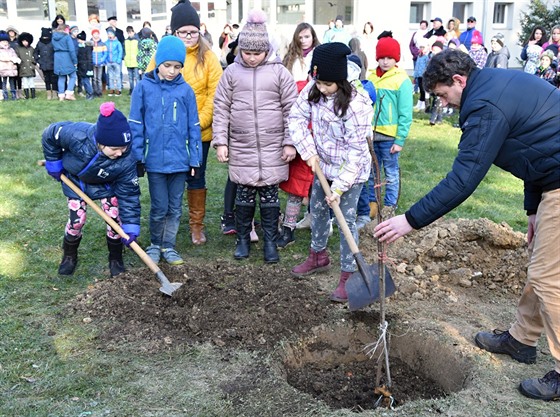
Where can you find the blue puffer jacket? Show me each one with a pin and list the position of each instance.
(164, 123)
(510, 119)
(98, 176)
(65, 58)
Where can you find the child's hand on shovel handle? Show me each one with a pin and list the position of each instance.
(392, 229)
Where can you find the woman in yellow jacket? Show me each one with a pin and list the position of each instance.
(202, 71)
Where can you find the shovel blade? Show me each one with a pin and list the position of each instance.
(170, 287)
(363, 289)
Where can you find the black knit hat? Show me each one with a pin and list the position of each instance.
(25, 36)
(330, 62)
(81, 36)
(183, 14)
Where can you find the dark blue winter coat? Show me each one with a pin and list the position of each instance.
(164, 123)
(510, 119)
(65, 59)
(97, 175)
(44, 54)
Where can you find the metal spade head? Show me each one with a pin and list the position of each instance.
(363, 289)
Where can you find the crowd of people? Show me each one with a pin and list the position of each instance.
(278, 122)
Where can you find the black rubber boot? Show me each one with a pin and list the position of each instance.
(26, 93)
(288, 237)
(70, 257)
(116, 263)
(33, 93)
(244, 224)
(269, 225)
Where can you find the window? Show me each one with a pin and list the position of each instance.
(132, 10)
(158, 9)
(31, 9)
(3, 8)
(67, 9)
(462, 11)
(417, 12)
(290, 11)
(501, 13)
(324, 11)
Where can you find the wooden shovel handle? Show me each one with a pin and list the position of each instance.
(337, 212)
(135, 246)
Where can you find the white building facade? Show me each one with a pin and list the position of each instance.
(399, 16)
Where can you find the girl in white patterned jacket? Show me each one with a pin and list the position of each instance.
(341, 118)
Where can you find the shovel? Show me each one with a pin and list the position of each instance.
(166, 287)
(363, 286)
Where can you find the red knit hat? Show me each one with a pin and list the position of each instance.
(388, 48)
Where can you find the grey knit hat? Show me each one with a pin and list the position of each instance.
(253, 36)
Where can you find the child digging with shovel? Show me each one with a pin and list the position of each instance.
(341, 117)
(97, 158)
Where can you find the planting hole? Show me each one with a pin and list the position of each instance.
(332, 366)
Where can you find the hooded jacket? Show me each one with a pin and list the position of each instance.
(44, 51)
(164, 124)
(498, 59)
(509, 119)
(97, 175)
(251, 109)
(26, 54)
(8, 61)
(65, 59)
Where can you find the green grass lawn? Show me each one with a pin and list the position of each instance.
(50, 365)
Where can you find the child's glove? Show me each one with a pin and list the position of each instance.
(131, 238)
(55, 169)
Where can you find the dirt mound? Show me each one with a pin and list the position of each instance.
(227, 304)
(429, 262)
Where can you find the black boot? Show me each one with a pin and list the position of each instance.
(116, 264)
(288, 237)
(269, 225)
(26, 93)
(70, 257)
(243, 223)
(33, 93)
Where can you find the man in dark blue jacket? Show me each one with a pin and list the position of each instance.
(98, 159)
(512, 120)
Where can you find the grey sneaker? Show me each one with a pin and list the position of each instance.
(361, 221)
(546, 388)
(171, 256)
(154, 252)
(304, 223)
(502, 342)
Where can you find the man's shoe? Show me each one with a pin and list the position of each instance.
(503, 342)
(171, 256)
(546, 388)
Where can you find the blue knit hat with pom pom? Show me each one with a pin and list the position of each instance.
(112, 127)
(253, 36)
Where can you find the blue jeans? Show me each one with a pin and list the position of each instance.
(132, 77)
(114, 76)
(389, 163)
(320, 226)
(166, 195)
(200, 182)
(86, 83)
(71, 83)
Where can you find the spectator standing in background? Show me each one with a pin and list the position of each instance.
(44, 57)
(205, 34)
(338, 33)
(466, 36)
(437, 29)
(499, 57)
(532, 49)
(146, 49)
(131, 57)
(477, 51)
(369, 41)
(26, 70)
(65, 62)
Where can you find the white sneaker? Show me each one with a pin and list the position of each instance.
(304, 223)
(330, 227)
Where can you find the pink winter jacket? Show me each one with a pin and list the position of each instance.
(251, 109)
(8, 61)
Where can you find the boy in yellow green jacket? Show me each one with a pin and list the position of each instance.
(131, 57)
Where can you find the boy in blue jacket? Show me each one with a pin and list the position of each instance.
(167, 142)
(98, 159)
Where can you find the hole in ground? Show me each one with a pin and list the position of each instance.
(332, 366)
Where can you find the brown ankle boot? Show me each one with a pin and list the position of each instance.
(197, 210)
(315, 262)
(339, 294)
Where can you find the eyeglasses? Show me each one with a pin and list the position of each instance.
(186, 34)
